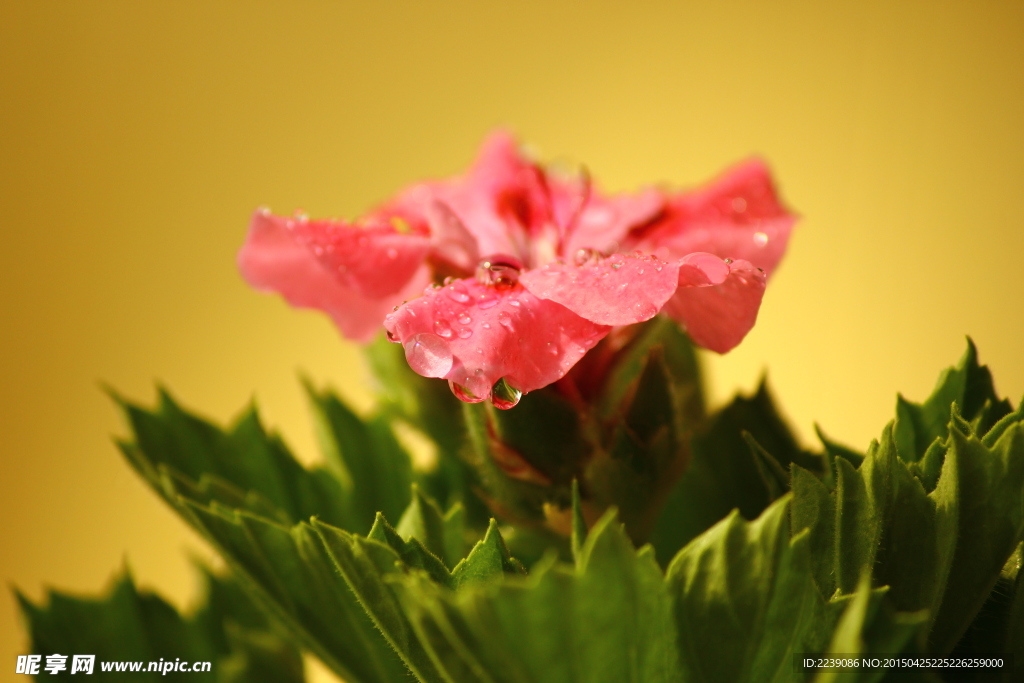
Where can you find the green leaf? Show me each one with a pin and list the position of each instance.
(985, 485)
(137, 626)
(488, 559)
(609, 619)
(374, 469)
(813, 508)
(244, 466)
(868, 626)
(283, 565)
(970, 386)
(745, 601)
(723, 473)
(663, 337)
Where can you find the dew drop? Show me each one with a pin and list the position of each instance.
(464, 319)
(465, 333)
(514, 302)
(455, 293)
(486, 326)
(505, 320)
(584, 256)
(500, 271)
(760, 239)
(448, 280)
(463, 394)
(728, 260)
(487, 303)
(504, 395)
(428, 355)
(443, 329)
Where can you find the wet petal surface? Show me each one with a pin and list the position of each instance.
(717, 302)
(737, 216)
(376, 260)
(474, 335)
(273, 260)
(618, 290)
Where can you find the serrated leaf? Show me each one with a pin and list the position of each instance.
(813, 508)
(744, 600)
(411, 551)
(137, 626)
(423, 520)
(244, 467)
(985, 485)
(970, 386)
(607, 620)
(488, 559)
(722, 473)
(372, 465)
(868, 626)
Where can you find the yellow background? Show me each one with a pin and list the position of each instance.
(137, 137)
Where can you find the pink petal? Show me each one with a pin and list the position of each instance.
(606, 221)
(273, 260)
(618, 290)
(474, 334)
(377, 260)
(451, 243)
(716, 301)
(737, 216)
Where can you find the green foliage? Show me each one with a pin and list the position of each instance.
(130, 625)
(770, 551)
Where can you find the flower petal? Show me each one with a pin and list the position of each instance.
(376, 260)
(273, 260)
(717, 301)
(618, 290)
(474, 335)
(606, 221)
(737, 216)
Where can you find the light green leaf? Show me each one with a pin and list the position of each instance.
(744, 600)
(609, 619)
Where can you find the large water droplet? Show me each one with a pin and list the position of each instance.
(443, 329)
(428, 355)
(456, 293)
(500, 271)
(584, 256)
(504, 395)
(464, 394)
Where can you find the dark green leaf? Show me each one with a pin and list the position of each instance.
(138, 626)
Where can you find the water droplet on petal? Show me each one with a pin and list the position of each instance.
(465, 333)
(727, 260)
(464, 319)
(486, 326)
(500, 271)
(504, 395)
(456, 293)
(505, 319)
(760, 239)
(428, 355)
(487, 303)
(514, 302)
(463, 394)
(443, 329)
(448, 280)
(584, 256)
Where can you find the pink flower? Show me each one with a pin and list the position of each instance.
(526, 270)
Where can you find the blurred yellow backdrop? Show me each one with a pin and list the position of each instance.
(137, 137)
